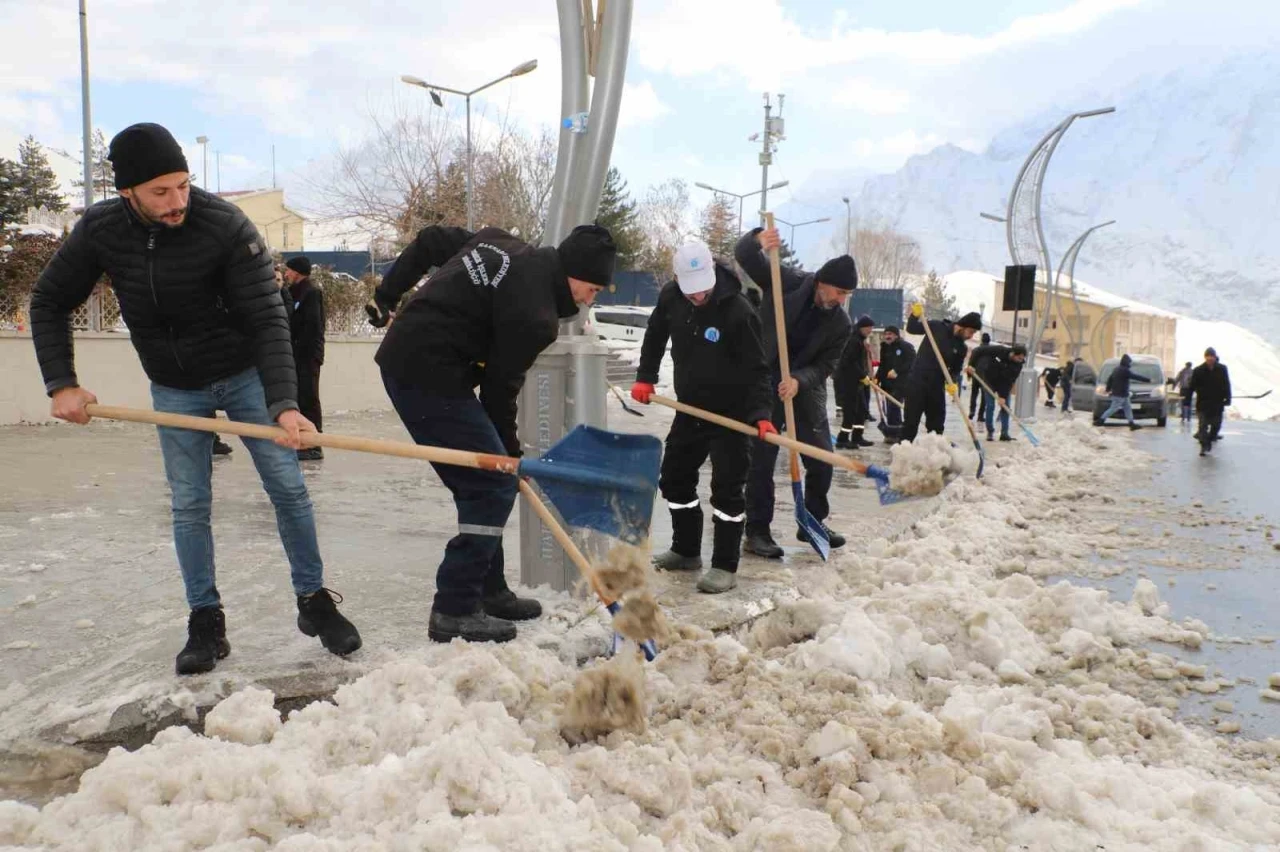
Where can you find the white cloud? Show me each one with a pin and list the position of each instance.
(640, 105)
(869, 97)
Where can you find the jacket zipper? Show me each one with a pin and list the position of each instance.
(151, 280)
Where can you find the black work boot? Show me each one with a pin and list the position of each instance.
(475, 627)
(206, 641)
(221, 447)
(507, 606)
(834, 538)
(686, 542)
(311, 454)
(858, 440)
(760, 542)
(318, 616)
(842, 440)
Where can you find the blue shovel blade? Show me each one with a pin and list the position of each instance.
(813, 530)
(1031, 436)
(601, 480)
(888, 496)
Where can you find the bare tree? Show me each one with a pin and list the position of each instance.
(886, 257)
(664, 216)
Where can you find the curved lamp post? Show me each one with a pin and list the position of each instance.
(1069, 267)
(779, 185)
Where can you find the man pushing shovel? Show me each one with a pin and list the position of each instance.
(480, 321)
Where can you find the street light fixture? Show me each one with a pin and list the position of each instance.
(740, 196)
(433, 90)
(793, 227)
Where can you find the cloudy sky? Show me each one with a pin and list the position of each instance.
(868, 83)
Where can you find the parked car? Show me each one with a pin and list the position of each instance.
(619, 322)
(1089, 389)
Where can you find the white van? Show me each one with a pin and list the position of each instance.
(619, 322)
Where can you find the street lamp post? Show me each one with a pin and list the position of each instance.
(434, 91)
(848, 224)
(793, 227)
(779, 185)
(203, 142)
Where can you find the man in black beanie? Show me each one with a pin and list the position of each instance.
(491, 305)
(853, 377)
(930, 382)
(196, 289)
(817, 330)
(307, 325)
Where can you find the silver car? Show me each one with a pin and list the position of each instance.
(1089, 390)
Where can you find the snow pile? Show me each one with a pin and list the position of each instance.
(921, 467)
(248, 717)
(931, 694)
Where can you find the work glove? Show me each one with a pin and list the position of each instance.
(866, 381)
(641, 391)
(765, 427)
(378, 315)
(952, 388)
(917, 310)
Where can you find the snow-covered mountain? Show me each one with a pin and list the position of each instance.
(1187, 165)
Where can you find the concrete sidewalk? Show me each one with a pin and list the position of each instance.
(91, 602)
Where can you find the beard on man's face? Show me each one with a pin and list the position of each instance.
(168, 215)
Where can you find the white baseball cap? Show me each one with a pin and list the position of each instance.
(695, 270)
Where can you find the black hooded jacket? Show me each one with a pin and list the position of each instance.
(492, 305)
(1211, 387)
(307, 320)
(1121, 376)
(716, 349)
(200, 300)
(995, 364)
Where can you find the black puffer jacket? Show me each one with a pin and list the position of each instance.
(716, 348)
(995, 365)
(200, 301)
(925, 368)
(482, 317)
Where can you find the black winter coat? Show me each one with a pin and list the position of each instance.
(816, 357)
(855, 365)
(897, 356)
(200, 301)
(1211, 387)
(716, 349)
(1118, 382)
(307, 321)
(995, 364)
(482, 318)
(925, 368)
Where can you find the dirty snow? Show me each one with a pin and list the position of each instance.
(931, 693)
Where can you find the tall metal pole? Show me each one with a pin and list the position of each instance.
(471, 215)
(848, 225)
(574, 97)
(765, 159)
(87, 115)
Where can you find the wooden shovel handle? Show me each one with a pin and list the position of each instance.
(402, 449)
(986, 387)
(780, 326)
(558, 533)
(946, 377)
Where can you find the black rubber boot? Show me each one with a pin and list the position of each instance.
(507, 606)
(206, 641)
(686, 542)
(842, 440)
(835, 539)
(318, 616)
(760, 542)
(726, 546)
(857, 440)
(475, 627)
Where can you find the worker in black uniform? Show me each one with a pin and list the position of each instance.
(998, 366)
(852, 385)
(719, 366)
(930, 382)
(896, 358)
(977, 399)
(817, 329)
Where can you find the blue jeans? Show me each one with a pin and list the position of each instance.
(188, 465)
(990, 415)
(1118, 403)
(1066, 397)
(473, 563)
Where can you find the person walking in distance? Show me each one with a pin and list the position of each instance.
(896, 358)
(1211, 387)
(307, 322)
(493, 303)
(930, 382)
(1117, 388)
(817, 329)
(1051, 375)
(977, 398)
(998, 366)
(719, 366)
(1183, 383)
(851, 384)
(1068, 382)
(195, 288)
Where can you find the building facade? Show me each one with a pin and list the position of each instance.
(280, 226)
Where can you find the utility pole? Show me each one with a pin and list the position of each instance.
(773, 130)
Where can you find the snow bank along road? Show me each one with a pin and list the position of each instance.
(929, 693)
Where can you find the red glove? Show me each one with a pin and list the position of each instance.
(765, 427)
(641, 391)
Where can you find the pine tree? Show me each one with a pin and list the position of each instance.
(104, 174)
(719, 226)
(621, 216)
(788, 258)
(938, 304)
(11, 208)
(37, 183)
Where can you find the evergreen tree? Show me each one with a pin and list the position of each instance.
(37, 183)
(11, 208)
(938, 304)
(788, 258)
(104, 174)
(719, 226)
(621, 216)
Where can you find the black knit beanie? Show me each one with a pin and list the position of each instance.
(589, 254)
(144, 152)
(972, 320)
(840, 272)
(300, 264)
(865, 321)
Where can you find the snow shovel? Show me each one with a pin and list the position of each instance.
(623, 400)
(942, 365)
(873, 472)
(1031, 436)
(596, 479)
(891, 432)
(813, 530)
(1262, 395)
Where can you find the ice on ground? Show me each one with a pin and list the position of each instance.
(930, 694)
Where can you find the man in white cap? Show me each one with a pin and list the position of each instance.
(720, 366)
